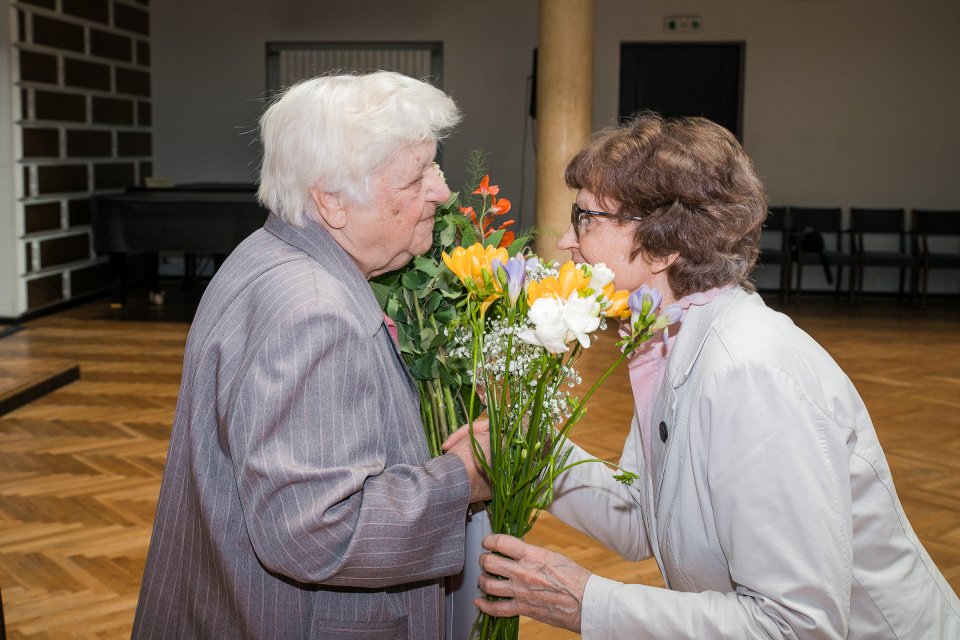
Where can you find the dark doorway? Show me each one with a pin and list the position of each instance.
(684, 79)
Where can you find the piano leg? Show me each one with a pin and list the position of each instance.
(118, 276)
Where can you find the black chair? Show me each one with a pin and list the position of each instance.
(778, 252)
(926, 223)
(811, 246)
(872, 224)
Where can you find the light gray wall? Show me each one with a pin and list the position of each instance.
(847, 102)
(12, 299)
(210, 74)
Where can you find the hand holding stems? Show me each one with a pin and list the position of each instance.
(459, 444)
(532, 581)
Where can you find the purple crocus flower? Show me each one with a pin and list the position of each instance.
(644, 301)
(516, 269)
(672, 313)
(512, 275)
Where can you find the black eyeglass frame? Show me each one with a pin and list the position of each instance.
(577, 212)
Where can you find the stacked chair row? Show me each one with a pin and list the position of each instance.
(816, 236)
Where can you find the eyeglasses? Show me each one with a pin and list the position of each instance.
(577, 212)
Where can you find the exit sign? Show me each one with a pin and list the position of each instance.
(682, 23)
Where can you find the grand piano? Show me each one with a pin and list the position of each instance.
(197, 218)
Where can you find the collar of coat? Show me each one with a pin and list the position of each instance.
(313, 240)
(697, 324)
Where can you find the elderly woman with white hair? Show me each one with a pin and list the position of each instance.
(299, 499)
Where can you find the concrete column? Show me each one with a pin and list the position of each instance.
(564, 109)
(12, 298)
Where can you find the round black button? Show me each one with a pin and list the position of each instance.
(663, 432)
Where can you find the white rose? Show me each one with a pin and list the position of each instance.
(581, 317)
(601, 275)
(549, 329)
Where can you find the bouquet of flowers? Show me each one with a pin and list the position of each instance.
(522, 327)
(423, 297)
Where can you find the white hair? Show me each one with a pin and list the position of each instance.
(335, 132)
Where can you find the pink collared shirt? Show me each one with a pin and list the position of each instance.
(648, 364)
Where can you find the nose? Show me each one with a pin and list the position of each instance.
(437, 189)
(568, 240)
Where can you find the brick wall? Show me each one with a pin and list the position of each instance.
(82, 70)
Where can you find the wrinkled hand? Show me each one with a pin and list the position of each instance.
(459, 445)
(541, 584)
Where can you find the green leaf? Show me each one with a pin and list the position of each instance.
(425, 265)
(519, 243)
(381, 291)
(414, 280)
(426, 337)
(403, 339)
(445, 316)
(425, 367)
(493, 240)
(447, 235)
(392, 308)
(438, 340)
(433, 303)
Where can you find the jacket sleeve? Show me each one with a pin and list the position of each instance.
(587, 498)
(309, 439)
(780, 500)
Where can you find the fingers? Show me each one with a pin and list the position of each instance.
(454, 438)
(498, 608)
(480, 425)
(507, 545)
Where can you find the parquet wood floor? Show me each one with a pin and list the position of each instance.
(80, 468)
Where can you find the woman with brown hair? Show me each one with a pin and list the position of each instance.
(763, 492)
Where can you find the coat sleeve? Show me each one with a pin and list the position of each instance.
(779, 498)
(587, 498)
(309, 440)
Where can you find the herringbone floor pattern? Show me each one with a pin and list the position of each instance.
(80, 468)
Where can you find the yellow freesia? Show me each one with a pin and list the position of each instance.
(618, 303)
(570, 278)
(469, 263)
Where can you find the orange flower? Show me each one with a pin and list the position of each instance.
(618, 303)
(470, 213)
(468, 264)
(484, 188)
(570, 279)
(499, 207)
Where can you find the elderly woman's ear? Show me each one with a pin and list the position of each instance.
(329, 208)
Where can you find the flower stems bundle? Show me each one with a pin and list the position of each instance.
(524, 325)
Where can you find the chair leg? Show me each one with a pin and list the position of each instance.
(840, 280)
(784, 281)
(914, 285)
(799, 281)
(860, 270)
(926, 282)
(855, 295)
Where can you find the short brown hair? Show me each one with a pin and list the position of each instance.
(694, 187)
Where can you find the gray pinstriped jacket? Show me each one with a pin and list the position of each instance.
(298, 500)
